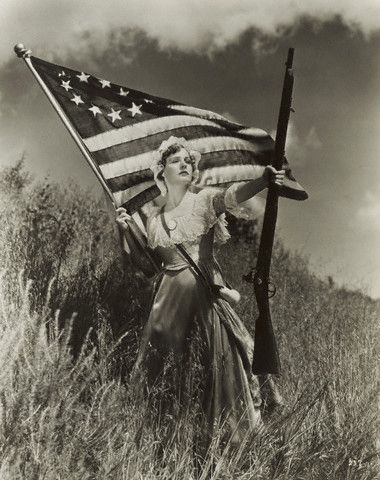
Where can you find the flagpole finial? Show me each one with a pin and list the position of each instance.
(21, 51)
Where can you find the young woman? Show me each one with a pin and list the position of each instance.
(191, 294)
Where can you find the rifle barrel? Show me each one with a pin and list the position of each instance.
(266, 358)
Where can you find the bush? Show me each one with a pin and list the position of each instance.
(70, 318)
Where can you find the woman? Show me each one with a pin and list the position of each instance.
(186, 299)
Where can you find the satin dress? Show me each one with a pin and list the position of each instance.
(182, 304)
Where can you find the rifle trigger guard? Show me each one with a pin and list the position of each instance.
(269, 286)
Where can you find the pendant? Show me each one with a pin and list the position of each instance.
(172, 224)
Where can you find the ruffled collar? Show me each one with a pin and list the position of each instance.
(185, 207)
(193, 217)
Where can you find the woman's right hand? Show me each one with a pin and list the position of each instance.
(272, 175)
(122, 218)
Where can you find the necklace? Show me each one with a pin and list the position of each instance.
(172, 224)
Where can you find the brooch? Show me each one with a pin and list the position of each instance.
(172, 224)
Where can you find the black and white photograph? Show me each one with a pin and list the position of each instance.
(189, 241)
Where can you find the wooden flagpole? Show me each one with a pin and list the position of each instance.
(24, 53)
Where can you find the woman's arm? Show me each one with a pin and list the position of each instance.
(249, 189)
(233, 198)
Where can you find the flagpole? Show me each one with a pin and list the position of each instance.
(24, 53)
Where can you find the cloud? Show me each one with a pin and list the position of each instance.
(299, 148)
(200, 26)
(312, 140)
(369, 212)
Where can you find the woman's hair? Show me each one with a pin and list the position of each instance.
(167, 148)
(174, 148)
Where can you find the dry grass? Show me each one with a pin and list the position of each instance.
(69, 324)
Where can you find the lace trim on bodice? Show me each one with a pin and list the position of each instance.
(199, 218)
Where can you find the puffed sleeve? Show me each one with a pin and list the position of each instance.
(210, 206)
(247, 210)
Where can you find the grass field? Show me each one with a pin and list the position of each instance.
(65, 293)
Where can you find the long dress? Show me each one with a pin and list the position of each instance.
(182, 304)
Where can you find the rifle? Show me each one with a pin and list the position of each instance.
(265, 358)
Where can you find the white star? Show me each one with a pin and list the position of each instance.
(105, 83)
(83, 77)
(62, 74)
(94, 109)
(66, 85)
(135, 109)
(77, 99)
(123, 93)
(146, 100)
(115, 115)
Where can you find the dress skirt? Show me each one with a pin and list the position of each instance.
(202, 334)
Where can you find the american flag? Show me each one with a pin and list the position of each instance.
(121, 127)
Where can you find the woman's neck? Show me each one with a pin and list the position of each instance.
(175, 196)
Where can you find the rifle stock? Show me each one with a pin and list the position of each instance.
(265, 358)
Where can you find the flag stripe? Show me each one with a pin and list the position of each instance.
(209, 162)
(141, 198)
(142, 130)
(150, 143)
(122, 196)
(116, 144)
(204, 145)
(230, 173)
(200, 112)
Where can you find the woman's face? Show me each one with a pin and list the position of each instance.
(178, 168)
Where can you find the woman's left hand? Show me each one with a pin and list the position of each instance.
(274, 176)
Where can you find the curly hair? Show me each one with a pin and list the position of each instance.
(174, 148)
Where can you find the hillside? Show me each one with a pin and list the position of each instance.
(72, 309)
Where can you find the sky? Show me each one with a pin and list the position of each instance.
(227, 57)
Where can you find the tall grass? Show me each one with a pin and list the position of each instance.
(70, 319)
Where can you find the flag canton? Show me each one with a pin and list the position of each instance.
(96, 105)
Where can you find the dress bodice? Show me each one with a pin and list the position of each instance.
(194, 224)
(200, 250)
(197, 223)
